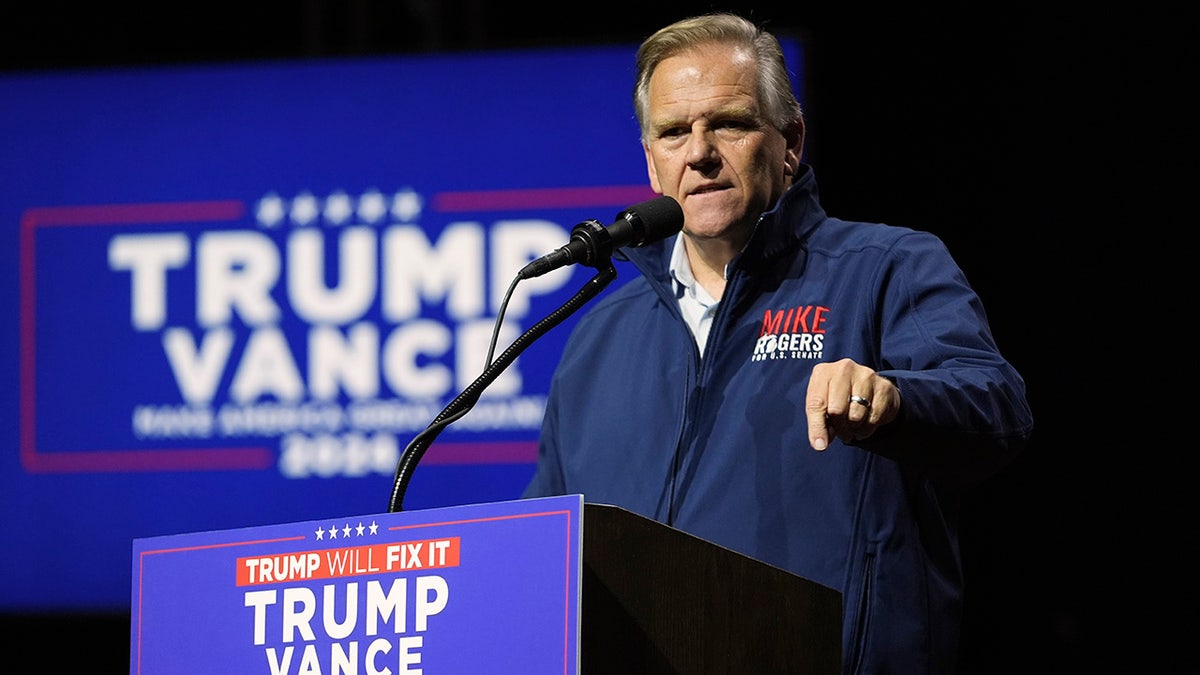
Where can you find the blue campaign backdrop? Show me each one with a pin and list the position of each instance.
(236, 292)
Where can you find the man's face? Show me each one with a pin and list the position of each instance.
(710, 145)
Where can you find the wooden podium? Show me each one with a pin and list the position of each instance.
(659, 600)
(548, 585)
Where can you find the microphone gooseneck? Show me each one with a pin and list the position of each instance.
(466, 400)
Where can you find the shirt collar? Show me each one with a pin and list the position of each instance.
(685, 281)
(681, 269)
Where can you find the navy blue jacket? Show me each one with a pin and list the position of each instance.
(718, 446)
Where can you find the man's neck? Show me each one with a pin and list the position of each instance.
(708, 259)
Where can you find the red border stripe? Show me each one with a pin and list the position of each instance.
(618, 196)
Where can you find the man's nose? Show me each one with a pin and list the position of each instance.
(701, 151)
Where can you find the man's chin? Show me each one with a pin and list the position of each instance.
(711, 228)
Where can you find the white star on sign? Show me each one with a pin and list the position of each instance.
(305, 208)
(338, 207)
(406, 205)
(371, 206)
(270, 210)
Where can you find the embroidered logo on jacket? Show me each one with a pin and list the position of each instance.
(794, 333)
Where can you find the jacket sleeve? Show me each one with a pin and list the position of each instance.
(963, 410)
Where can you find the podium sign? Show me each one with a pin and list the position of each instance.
(489, 588)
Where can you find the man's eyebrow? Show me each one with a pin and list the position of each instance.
(738, 112)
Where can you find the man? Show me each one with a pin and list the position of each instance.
(811, 392)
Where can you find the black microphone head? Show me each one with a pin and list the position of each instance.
(652, 220)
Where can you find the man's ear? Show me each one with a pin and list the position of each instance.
(794, 137)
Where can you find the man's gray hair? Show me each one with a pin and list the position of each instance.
(774, 87)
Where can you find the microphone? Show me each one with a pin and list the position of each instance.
(592, 243)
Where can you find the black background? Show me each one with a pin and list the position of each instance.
(1004, 129)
